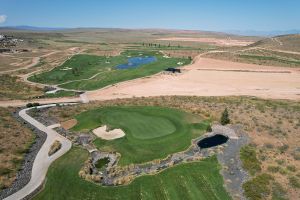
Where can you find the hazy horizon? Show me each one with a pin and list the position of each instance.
(216, 15)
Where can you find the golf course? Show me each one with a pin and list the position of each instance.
(150, 132)
(90, 72)
(198, 180)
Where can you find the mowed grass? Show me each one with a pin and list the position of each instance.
(90, 72)
(198, 180)
(151, 132)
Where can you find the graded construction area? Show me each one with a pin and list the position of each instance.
(90, 72)
(198, 180)
(211, 77)
(150, 132)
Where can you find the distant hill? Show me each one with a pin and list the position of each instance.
(31, 28)
(262, 33)
(282, 42)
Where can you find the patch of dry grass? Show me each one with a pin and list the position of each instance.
(12, 87)
(15, 140)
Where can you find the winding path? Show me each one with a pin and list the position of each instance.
(42, 160)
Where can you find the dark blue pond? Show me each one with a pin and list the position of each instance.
(212, 141)
(136, 62)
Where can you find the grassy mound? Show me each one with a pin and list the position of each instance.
(151, 132)
(199, 180)
(89, 72)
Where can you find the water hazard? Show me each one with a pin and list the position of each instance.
(212, 141)
(136, 62)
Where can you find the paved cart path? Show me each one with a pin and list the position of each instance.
(42, 160)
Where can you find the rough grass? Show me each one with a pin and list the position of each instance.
(100, 164)
(151, 132)
(12, 88)
(86, 66)
(249, 160)
(258, 188)
(198, 180)
(15, 140)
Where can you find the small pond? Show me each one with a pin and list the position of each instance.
(136, 62)
(101, 164)
(212, 141)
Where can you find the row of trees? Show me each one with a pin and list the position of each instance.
(159, 45)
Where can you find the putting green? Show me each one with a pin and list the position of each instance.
(198, 180)
(150, 132)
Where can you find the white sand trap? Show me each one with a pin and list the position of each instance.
(66, 69)
(102, 133)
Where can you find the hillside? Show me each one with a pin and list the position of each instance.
(283, 42)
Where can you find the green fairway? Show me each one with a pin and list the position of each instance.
(198, 180)
(89, 72)
(151, 132)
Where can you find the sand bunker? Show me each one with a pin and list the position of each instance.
(66, 69)
(102, 133)
(216, 41)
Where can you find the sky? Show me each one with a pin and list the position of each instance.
(214, 15)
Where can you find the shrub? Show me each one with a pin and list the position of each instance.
(249, 160)
(283, 148)
(54, 147)
(209, 129)
(291, 168)
(258, 187)
(273, 169)
(278, 192)
(294, 181)
(225, 117)
(29, 105)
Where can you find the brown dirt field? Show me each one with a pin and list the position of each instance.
(69, 124)
(215, 41)
(210, 77)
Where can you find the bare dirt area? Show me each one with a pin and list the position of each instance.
(69, 124)
(215, 41)
(210, 77)
(103, 133)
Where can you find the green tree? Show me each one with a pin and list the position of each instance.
(225, 117)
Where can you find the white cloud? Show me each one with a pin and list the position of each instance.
(2, 18)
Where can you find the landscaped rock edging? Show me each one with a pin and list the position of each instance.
(24, 174)
(116, 175)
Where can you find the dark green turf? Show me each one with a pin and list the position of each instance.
(198, 180)
(151, 132)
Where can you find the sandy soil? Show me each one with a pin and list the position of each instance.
(69, 124)
(210, 77)
(215, 41)
(205, 77)
(108, 135)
